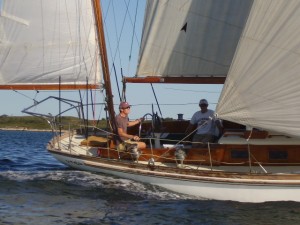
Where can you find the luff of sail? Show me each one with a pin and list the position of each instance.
(43, 40)
(262, 89)
(190, 41)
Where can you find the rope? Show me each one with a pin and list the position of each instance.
(210, 160)
(250, 155)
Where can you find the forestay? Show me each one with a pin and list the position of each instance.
(42, 40)
(263, 86)
(194, 38)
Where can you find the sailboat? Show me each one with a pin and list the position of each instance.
(249, 46)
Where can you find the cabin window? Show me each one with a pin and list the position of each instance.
(278, 155)
(239, 154)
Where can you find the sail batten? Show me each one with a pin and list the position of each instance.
(262, 88)
(194, 38)
(55, 41)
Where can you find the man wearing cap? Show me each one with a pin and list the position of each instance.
(206, 125)
(123, 122)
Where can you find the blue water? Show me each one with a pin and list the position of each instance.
(36, 189)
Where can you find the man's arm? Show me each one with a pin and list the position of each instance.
(127, 136)
(133, 123)
(219, 126)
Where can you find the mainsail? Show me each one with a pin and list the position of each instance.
(42, 40)
(190, 41)
(262, 89)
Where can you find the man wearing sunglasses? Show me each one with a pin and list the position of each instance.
(206, 125)
(123, 122)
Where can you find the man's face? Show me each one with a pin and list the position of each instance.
(203, 107)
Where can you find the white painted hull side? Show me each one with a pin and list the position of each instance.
(212, 188)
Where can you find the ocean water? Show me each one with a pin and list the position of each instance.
(36, 189)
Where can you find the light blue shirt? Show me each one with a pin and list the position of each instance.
(205, 122)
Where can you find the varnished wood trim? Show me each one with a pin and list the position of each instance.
(187, 174)
(176, 80)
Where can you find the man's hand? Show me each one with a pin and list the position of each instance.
(136, 138)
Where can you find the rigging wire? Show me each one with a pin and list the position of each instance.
(156, 100)
(119, 38)
(113, 60)
(87, 106)
(127, 5)
(33, 99)
(124, 87)
(105, 27)
(92, 104)
(117, 35)
(117, 51)
(82, 111)
(133, 32)
(117, 82)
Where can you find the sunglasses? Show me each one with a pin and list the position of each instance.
(203, 105)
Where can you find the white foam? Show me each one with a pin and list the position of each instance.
(88, 179)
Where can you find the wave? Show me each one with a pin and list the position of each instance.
(6, 161)
(90, 182)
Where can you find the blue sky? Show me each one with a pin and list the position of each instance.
(184, 97)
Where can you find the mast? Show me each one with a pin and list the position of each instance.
(104, 62)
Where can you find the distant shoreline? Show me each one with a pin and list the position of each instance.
(24, 129)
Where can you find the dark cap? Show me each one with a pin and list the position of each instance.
(124, 105)
(203, 102)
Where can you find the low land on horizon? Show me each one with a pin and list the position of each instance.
(35, 123)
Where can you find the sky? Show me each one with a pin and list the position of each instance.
(173, 99)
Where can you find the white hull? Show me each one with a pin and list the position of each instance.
(239, 188)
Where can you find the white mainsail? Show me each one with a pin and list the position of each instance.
(263, 86)
(194, 38)
(42, 40)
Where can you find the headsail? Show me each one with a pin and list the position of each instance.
(263, 86)
(190, 41)
(42, 40)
